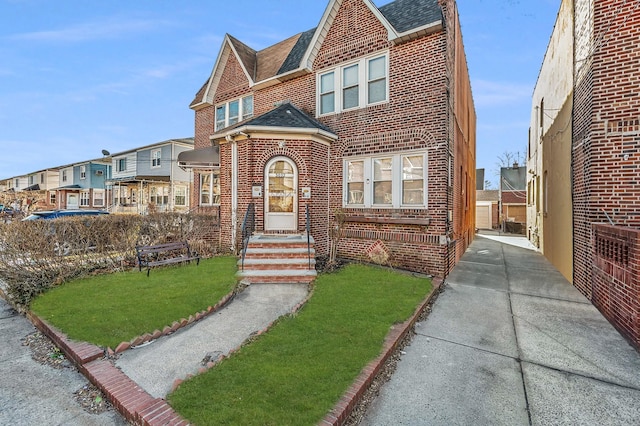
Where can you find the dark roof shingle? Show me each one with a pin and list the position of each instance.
(406, 15)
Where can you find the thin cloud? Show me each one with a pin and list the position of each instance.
(495, 93)
(89, 31)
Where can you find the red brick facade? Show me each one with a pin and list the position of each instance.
(429, 108)
(606, 160)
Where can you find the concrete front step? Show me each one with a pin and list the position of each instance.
(279, 263)
(273, 276)
(279, 252)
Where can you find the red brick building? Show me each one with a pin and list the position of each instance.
(369, 115)
(606, 161)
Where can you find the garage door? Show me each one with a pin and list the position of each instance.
(483, 217)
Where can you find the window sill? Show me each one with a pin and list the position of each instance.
(387, 220)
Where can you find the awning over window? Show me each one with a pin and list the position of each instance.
(69, 187)
(204, 158)
(35, 187)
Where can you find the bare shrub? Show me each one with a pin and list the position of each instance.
(37, 255)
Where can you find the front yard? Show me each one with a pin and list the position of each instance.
(293, 374)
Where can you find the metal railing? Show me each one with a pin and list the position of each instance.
(248, 227)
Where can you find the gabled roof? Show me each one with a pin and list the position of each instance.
(403, 19)
(405, 15)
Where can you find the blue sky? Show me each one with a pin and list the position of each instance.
(79, 76)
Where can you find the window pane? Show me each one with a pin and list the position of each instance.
(412, 192)
(382, 192)
(205, 189)
(350, 76)
(247, 107)
(350, 97)
(327, 83)
(355, 171)
(377, 91)
(377, 68)
(412, 167)
(220, 117)
(356, 193)
(382, 169)
(234, 111)
(327, 103)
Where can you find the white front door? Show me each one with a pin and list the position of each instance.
(281, 199)
(73, 201)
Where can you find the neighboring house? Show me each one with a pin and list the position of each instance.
(370, 114)
(584, 163)
(513, 198)
(83, 185)
(41, 190)
(487, 210)
(148, 179)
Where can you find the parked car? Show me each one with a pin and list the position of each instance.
(65, 243)
(55, 214)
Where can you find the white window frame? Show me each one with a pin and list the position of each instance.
(52, 197)
(156, 157)
(396, 201)
(85, 199)
(95, 200)
(244, 112)
(65, 176)
(363, 84)
(180, 191)
(212, 190)
(83, 172)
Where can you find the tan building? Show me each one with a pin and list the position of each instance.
(549, 161)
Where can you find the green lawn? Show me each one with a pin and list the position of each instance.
(109, 309)
(295, 373)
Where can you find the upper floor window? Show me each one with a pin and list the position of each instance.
(121, 165)
(394, 180)
(234, 111)
(32, 180)
(353, 85)
(155, 157)
(64, 176)
(83, 172)
(41, 177)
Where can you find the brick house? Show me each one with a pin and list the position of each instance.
(584, 161)
(369, 115)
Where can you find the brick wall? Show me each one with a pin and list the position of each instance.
(419, 115)
(616, 277)
(606, 161)
(606, 129)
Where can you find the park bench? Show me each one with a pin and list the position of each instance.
(165, 254)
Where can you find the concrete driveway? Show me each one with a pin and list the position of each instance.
(35, 394)
(511, 342)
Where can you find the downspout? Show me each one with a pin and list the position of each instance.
(234, 194)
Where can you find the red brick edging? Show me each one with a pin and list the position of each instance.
(343, 408)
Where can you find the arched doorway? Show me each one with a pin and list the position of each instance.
(281, 195)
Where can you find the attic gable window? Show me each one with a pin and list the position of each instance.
(353, 85)
(234, 111)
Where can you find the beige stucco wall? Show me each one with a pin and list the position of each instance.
(553, 87)
(556, 209)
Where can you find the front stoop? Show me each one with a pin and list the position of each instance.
(282, 259)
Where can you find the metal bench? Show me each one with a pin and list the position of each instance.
(165, 254)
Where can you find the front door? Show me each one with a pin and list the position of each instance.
(281, 201)
(73, 201)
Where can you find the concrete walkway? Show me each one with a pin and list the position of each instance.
(35, 394)
(155, 367)
(511, 342)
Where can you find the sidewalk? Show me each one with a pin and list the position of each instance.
(511, 342)
(36, 394)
